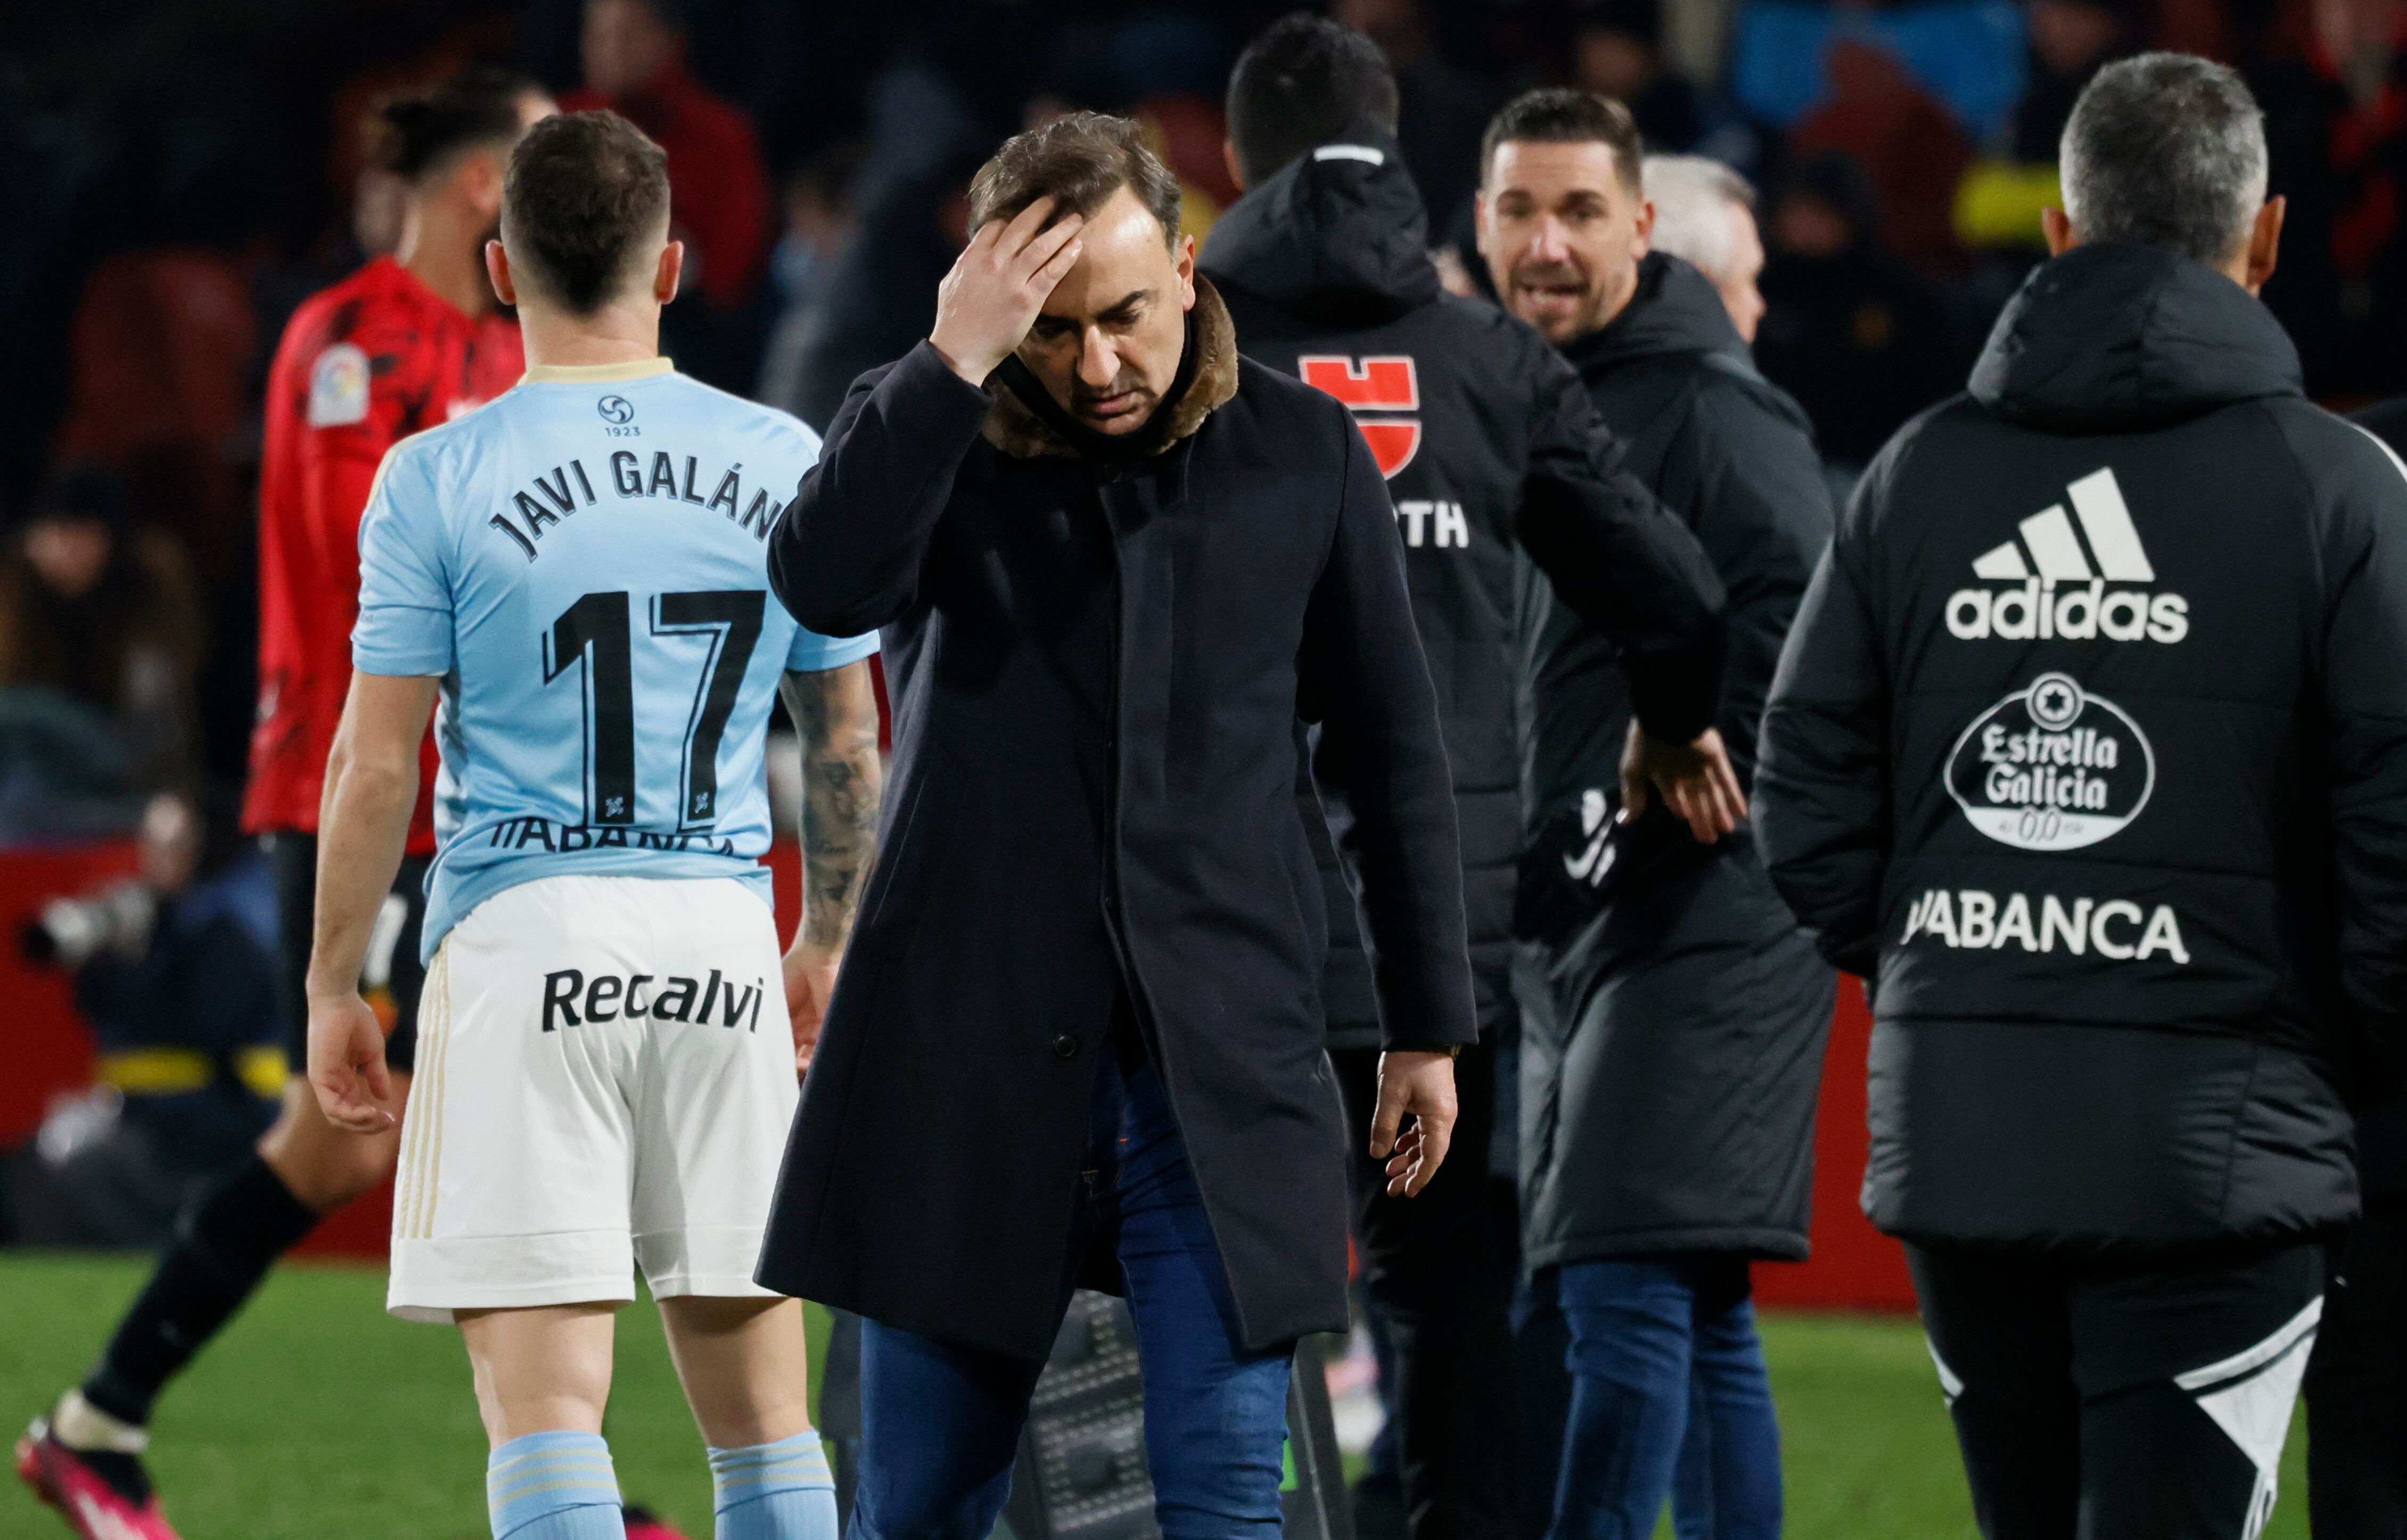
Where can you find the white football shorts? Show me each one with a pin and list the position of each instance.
(606, 1076)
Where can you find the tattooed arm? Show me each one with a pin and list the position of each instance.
(837, 713)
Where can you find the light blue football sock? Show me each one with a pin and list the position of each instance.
(775, 1491)
(554, 1486)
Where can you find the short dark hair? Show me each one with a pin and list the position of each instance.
(1305, 81)
(1078, 161)
(410, 132)
(1560, 115)
(2166, 150)
(583, 191)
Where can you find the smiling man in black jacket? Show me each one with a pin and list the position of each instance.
(2091, 743)
(1481, 433)
(1675, 1013)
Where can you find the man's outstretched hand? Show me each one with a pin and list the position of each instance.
(986, 302)
(1418, 1084)
(1696, 782)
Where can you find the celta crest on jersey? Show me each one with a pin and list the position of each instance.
(1386, 382)
(2055, 588)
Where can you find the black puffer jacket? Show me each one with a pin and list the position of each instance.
(2382, 1130)
(1487, 441)
(2092, 739)
(1671, 1051)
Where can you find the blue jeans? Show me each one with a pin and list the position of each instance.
(940, 1424)
(1668, 1386)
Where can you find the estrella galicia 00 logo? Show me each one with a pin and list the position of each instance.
(616, 410)
(2052, 767)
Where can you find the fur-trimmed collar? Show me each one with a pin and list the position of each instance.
(1015, 429)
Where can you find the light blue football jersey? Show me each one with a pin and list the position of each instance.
(583, 560)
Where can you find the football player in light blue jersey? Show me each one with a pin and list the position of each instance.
(605, 1072)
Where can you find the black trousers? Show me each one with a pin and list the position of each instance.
(2121, 1402)
(1440, 1270)
(2356, 1385)
(392, 963)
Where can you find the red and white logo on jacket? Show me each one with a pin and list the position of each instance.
(1380, 384)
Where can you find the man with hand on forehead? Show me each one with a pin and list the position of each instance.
(1078, 1036)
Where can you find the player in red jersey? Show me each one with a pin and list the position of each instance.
(406, 343)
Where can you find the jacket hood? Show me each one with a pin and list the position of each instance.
(1675, 309)
(2125, 338)
(1027, 423)
(1337, 235)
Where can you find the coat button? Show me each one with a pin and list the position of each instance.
(1065, 1047)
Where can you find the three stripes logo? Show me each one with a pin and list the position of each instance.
(2062, 582)
(1380, 384)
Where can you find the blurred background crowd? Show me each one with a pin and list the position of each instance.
(180, 176)
(181, 173)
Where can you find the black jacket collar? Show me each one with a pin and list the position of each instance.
(2128, 337)
(1338, 236)
(1675, 309)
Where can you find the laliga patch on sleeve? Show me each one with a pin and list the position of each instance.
(338, 386)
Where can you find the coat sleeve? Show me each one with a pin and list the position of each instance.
(1822, 797)
(847, 556)
(1762, 513)
(2365, 707)
(1364, 681)
(1622, 563)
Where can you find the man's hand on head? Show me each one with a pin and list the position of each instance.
(1695, 780)
(1418, 1084)
(998, 284)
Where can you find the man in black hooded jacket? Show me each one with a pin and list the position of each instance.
(2091, 744)
(1478, 426)
(1675, 1013)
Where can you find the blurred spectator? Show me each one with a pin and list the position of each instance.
(633, 53)
(2000, 201)
(2071, 40)
(2335, 101)
(881, 298)
(174, 972)
(819, 220)
(1857, 336)
(1903, 139)
(100, 635)
(1704, 214)
(163, 340)
(1444, 108)
(1967, 54)
(1617, 51)
(1187, 132)
(1172, 67)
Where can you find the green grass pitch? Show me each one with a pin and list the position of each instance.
(318, 1415)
